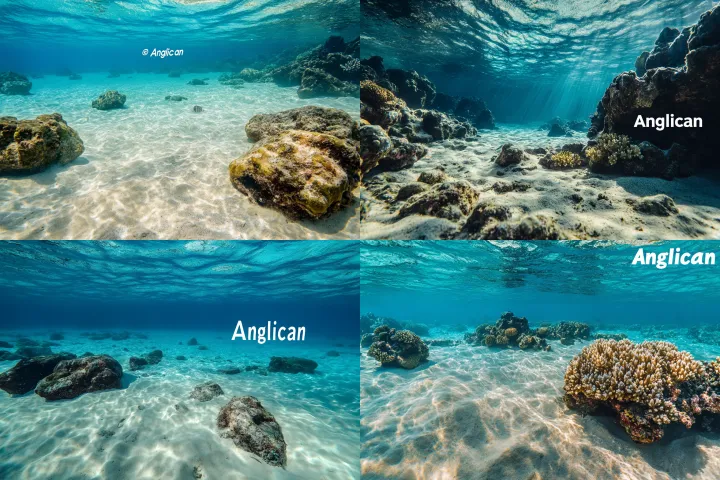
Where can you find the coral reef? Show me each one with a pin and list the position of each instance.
(508, 331)
(30, 146)
(254, 429)
(398, 348)
(648, 385)
(612, 152)
(109, 100)
(561, 160)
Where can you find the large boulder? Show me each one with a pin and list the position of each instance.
(26, 374)
(251, 427)
(292, 365)
(14, 84)
(72, 378)
(30, 146)
(109, 100)
(303, 174)
(331, 121)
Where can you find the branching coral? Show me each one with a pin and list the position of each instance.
(563, 160)
(649, 385)
(611, 149)
(400, 348)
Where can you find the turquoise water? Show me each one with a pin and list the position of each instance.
(485, 413)
(159, 295)
(529, 60)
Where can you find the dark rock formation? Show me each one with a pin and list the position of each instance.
(509, 155)
(317, 83)
(206, 391)
(685, 83)
(477, 112)
(57, 336)
(30, 146)
(192, 341)
(197, 82)
(415, 89)
(72, 378)
(109, 100)
(152, 358)
(14, 84)
(26, 374)
(374, 145)
(292, 365)
(251, 427)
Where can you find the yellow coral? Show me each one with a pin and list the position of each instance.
(612, 149)
(511, 332)
(565, 159)
(623, 371)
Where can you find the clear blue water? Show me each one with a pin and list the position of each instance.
(163, 294)
(46, 35)
(445, 283)
(529, 59)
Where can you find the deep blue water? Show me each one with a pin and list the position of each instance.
(529, 59)
(182, 285)
(43, 36)
(445, 283)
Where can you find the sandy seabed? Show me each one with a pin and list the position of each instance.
(482, 414)
(152, 429)
(571, 197)
(155, 169)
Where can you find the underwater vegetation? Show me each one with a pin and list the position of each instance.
(648, 386)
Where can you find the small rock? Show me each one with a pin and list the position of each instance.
(206, 391)
(292, 365)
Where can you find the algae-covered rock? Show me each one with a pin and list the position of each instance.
(29, 146)
(303, 174)
(331, 121)
(14, 84)
(251, 427)
(109, 100)
(72, 378)
(398, 348)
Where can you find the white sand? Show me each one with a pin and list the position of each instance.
(476, 413)
(155, 169)
(139, 433)
(697, 199)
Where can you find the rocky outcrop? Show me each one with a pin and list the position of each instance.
(682, 79)
(26, 374)
(292, 365)
(317, 83)
(251, 427)
(109, 100)
(30, 146)
(206, 391)
(72, 378)
(415, 89)
(14, 84)
(509, 155)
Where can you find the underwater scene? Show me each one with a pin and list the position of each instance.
(179, 119)
(540, 120)
(124, 360)
(538, 360)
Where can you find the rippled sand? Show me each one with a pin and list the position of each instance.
(155, 169)
(552, 193)
(152, 429)
(476, 413)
